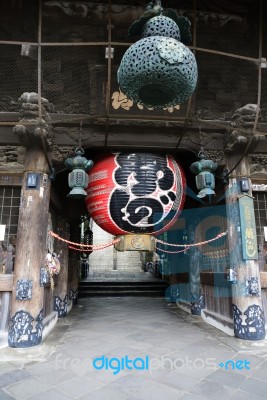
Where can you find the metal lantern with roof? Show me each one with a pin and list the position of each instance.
(159, 70)
(78, 178)
(204, 171)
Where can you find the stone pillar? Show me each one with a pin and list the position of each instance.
(26, 325)
(61, 289)
(247, 308)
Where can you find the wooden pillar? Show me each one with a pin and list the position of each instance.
(26, 325)
(61, 289)
(247, 308)
(74, 261)
(197, 297)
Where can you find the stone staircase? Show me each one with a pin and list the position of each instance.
(128, 261)
(118, 274)
(153, 288)
(110, 259)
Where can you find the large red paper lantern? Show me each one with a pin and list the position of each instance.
(135, 192)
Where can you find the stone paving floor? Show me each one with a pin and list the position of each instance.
(181, 353)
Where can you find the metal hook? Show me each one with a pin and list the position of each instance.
(200, 133)
(201, 153)
(79, 148)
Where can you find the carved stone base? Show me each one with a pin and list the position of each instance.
(250, 327)
(198, 305)
(24, 330)
(74, 296)
(61, 306)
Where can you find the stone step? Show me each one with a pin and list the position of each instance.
(131, 288)
(115, 293)
(119, 267)
(93, 284)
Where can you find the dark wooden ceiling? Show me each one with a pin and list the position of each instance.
(75, 78)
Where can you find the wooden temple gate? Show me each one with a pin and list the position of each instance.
(63, 72)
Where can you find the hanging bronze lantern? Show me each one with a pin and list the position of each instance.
(159, 70)
(78, 178)
(205, 180)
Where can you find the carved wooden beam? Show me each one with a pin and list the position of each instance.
(153, 133)
(241, 135)
(258, 165)
(34, 126)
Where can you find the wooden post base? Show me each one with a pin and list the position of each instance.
(248, 315)
(26, 324)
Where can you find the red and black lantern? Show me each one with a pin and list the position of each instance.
(135, 192)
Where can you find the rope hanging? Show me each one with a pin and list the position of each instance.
(95, 249)
(90, 246)
(193, 244)
(167, 251)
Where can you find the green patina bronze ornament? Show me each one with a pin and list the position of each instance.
(204, 171)
(78, 178)
(159, 70)
(163, 26)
